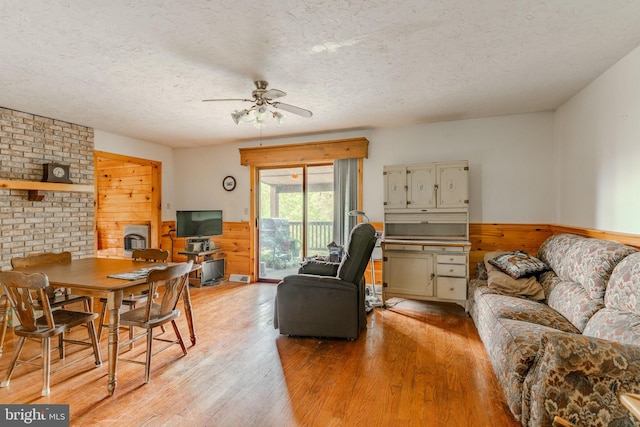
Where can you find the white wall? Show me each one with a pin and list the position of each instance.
(511, 175)
(597, 149)
(200, 171)
(117, 144)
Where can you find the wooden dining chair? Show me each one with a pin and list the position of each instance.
(57, 299)
(28, 296)
(165, 290)
(132, 301)
(62, 297)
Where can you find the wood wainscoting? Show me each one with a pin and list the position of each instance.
(528, 237)
(509, 237)
(234, 242)
(484, 238)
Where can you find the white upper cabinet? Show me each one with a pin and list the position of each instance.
(453, 185)
(395, 187)
(421, 183)
(427, 186)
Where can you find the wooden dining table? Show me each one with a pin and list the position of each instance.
(90, 277)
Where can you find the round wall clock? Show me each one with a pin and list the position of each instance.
(229, 183)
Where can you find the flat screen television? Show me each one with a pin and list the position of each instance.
(198, 223)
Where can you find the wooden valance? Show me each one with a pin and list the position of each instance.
(352, 148)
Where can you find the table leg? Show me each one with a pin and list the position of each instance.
(188, 312)
(114, 302)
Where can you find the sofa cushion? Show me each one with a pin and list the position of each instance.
(583, 260)
(623, 290)
(518, 264)
(572, 301)
(525, 310)
(614, 325)
(620, 319)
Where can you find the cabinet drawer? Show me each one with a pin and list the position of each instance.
(455, 270)
(443, 248)
(451, 288)
(451, 259)
(396, 247)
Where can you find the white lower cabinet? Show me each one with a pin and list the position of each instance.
(408, 273)
(415, 270)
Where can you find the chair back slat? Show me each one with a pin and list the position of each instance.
(27, 294)
(34, 260)
(40, 259)
(152, 254)
(168, 284)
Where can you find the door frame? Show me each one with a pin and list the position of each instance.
(292, 154)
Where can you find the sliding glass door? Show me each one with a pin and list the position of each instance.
(295, 217)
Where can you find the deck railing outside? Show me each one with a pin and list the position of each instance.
(319, 235)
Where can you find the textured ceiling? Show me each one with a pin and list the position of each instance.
(141, 68)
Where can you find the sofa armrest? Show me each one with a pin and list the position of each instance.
(321, 268)
(580, 378)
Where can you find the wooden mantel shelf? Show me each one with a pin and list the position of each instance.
(35, 186)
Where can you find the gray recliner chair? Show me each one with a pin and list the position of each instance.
(327, 299)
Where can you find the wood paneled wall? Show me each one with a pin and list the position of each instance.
(127, 192)
(484, 238)
(234, 242)
(509, 237)
(528, 237)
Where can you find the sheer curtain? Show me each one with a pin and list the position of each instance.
(345, 193)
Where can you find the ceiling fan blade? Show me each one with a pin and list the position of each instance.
(273, 94)
(227, 99)
(293, 109)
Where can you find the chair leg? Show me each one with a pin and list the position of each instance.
(4, 319)
(61, 346)
(46, 364)
(94, 341)
(88, 305)
(12, 364)
(179, 335)
(147, 365)
(103, 313)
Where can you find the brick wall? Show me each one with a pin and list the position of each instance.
(62, 221)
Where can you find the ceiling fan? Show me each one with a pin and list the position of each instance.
(263, 98)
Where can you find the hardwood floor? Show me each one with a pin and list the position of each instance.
(416, 364)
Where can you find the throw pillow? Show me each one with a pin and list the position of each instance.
(518, 264)
(489, 256)
(527, 287)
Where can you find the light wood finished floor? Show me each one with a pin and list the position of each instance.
(417, 364)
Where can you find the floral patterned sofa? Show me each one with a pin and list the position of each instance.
(573, 353)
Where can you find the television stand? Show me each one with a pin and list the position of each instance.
(212, 266)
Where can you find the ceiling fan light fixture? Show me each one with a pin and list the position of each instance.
(279, 117)
(239, 116)
(263, 106)
(261, 113)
